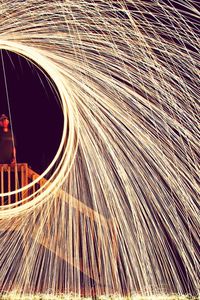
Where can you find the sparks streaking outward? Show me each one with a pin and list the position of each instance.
(119, 211)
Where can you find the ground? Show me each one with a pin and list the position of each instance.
(17, 296)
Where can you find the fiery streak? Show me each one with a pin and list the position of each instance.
(128, 77)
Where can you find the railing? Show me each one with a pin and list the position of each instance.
(102, 230)
(12, 178)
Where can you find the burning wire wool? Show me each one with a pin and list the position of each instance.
(128, 77)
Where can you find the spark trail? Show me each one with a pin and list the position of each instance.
(128, 77)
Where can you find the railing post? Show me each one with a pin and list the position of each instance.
(2, 184)
(16, 182)
(24, 180)
(9, 184)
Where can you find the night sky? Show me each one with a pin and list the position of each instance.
(36, 115)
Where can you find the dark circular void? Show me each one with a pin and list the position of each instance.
(36, 114)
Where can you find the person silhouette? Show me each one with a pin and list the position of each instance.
(7, 145)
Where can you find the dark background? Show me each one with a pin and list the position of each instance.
(36, 115)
